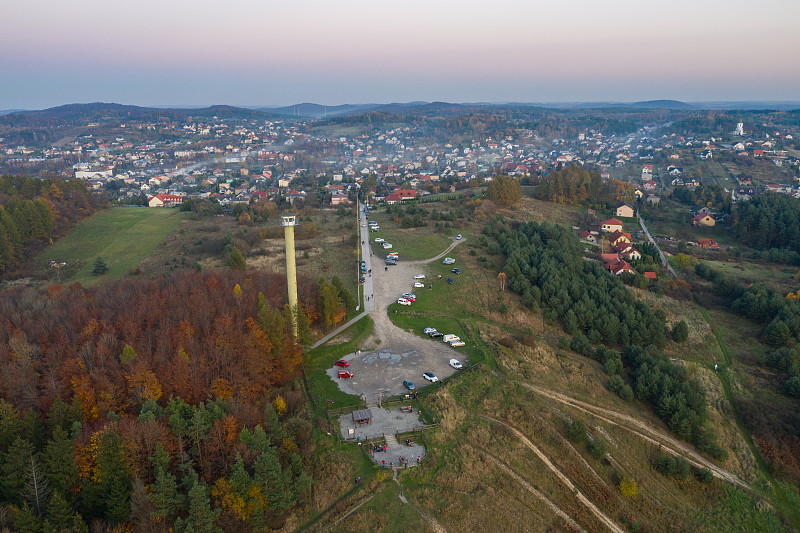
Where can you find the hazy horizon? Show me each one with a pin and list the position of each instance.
(240, 53)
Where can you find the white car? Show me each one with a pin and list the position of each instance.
(418, 285)
(403, 301)
(386, 245)
(455, 363)
(458, 237)
(378, 239)
(419, 276)
(456, 344)
(428, 331)
(430, 376)
(448, 261)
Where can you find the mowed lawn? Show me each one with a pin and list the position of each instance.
(123, 236)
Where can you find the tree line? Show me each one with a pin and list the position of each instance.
(167, 404)
(769, 221)
(33, 212)
(575, 185)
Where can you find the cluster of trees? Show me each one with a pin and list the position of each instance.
(575, 185)
(779, 314)
(545, 265)
(153, 403)
(415, 216)
(705, 196)
(334, 301)
(678, 467)
(505, 191)
(33, 212)
(679, 400)
(768, 221)
(216, 466)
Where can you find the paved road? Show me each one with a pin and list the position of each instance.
(652, 240)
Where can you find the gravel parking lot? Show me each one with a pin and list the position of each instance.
(401, 354)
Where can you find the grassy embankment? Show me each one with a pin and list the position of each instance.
(122, 236)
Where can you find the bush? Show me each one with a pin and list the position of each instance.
(597, 448)
(680, 332)
(618, 386)
(628, 488)
(100, 266)
(792, 386)
(577, 432)
(704, 475)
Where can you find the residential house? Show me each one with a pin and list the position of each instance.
(708, 243)
(611, 225)
(703, 219)
(588, 236)
(624, 210)
(165, 200)
(339, 199)
(618, 236)
(649, 185)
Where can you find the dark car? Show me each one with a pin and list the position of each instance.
(408, 384)
(436, 335)
(450, 281)
(456, 271)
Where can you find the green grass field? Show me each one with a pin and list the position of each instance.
(123, 236)
(411, 243)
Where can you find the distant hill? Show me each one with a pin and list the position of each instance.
(661, 104)
(78, 114)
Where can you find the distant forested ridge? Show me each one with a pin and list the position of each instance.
(768, 221)
(34, 211)
(152, 405)
(575, 185)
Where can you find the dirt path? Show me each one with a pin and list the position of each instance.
(641, 429)
(553, 507)
(610, 524)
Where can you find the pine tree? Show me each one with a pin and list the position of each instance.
(100, 266)
(13, 474)
(680, 333)
(27, 521)
(201, 517)
(58, 463)
(9, 424)
(59, 513)
(234, 258)
(37, 489)
(164, 490)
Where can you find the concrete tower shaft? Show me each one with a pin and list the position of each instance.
(289, 221)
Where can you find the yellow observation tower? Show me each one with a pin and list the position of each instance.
(289, 221)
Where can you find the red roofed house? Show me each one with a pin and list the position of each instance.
(650, 275)
(392, 199)
(588, 236)
(618, 237)
(703, 219)
(611, 225)
(609, 258)
(406, 194)
(165, 200)
(649, 185)
(620, 267)
(708, 243)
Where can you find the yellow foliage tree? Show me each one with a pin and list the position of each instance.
(280, 406)
(628, 488)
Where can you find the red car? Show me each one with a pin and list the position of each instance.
(345, 374)
(342, 363)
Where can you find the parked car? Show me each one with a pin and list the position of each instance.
(419, 276)
(362, 279)
(428, 331)
(436, 335)
(410, 297)
(411, 294)
(450, 337)
(448, 261)
(430, 376)
(455, 363)
(342, 363)
(456, 344)
(344, 374)
(378, 239)
(403, 301)
(408, 384)
(450, 281)
(393, 254)
(456, 271)
(458, 237)
(418, 285)
(386, 245)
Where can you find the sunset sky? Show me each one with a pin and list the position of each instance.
(177, 52)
